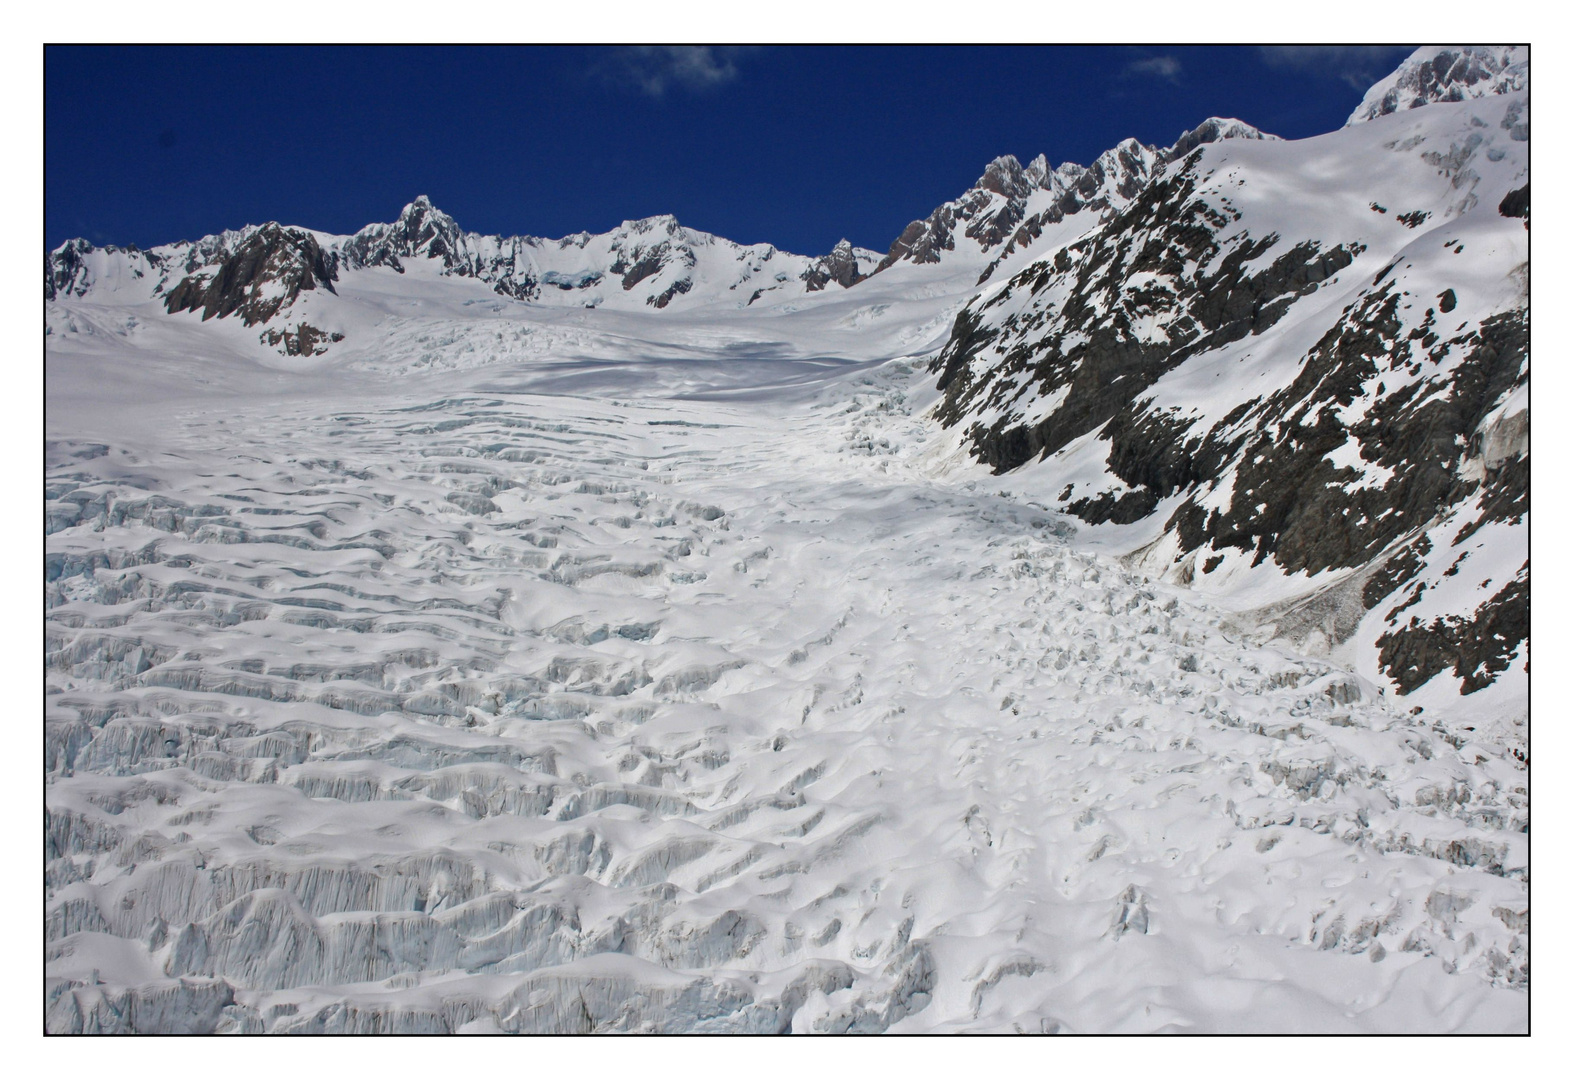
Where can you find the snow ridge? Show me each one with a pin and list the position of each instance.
(1297, 395)
(1437, 73)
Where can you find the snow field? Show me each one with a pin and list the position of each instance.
(697, 706)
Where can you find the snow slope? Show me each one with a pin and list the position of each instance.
(1294, 377)
(662, 695)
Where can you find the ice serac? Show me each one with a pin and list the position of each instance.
(1435, 73)
(477, 705)
(1323, 390)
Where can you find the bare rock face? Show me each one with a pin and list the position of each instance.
(840, 266)
(1516, 204)
(264, 275)
(1213, 130)
(1376, 442)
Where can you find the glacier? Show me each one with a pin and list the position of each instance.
(515, 663)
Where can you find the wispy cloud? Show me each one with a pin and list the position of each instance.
(654, 69)
(1357, 65)
(1158, 67)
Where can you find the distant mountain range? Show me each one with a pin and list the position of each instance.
(258, 272)
(1298, 362)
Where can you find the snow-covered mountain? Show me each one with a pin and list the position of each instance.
(1447, 73)
(257, 273)
(1311, 389)
(1106, 611)
(1010, 207)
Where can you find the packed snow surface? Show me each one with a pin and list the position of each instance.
(693, 685)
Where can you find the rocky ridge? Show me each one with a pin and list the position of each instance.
(1010, 206)
(1315, 388)
(259, 272)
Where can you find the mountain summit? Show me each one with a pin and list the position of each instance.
(1437, 73)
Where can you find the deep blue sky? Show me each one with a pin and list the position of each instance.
(795, 146)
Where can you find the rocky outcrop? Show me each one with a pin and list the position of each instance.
(1092, 358)
(262, 276)
(1477, 647)
(304, 340)
(1516, 204)
(840, 266)
(1243, 415)
(421, 231)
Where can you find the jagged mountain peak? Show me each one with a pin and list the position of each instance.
(421, 209)
(1437, 73)
(1005, 176)
(1167, 348)
(1215, 129)
(665, 223)
(1010, 205)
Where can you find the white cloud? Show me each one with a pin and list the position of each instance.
(1358, 65)
(1161, 67)
(653, 69)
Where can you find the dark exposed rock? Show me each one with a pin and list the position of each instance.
(677, 288)
(923, 241)
(421, 231)
(994, 210)
(1516, 204)
(1392, 423)
(1211, 130)
(1505, 497)
(264, 275)
(649, 262)
(1091, 349)
(1132, 506)
(1398, 569)
(840, 266)
(304, 340)
(1477, 648)
(67, 273)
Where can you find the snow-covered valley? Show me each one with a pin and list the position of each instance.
(487, 708)
(513, 663)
